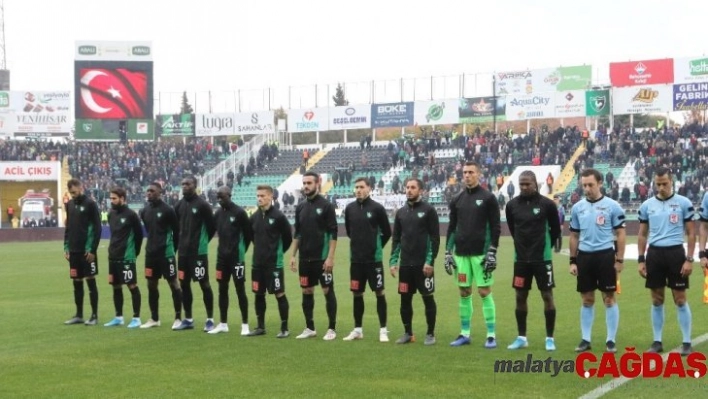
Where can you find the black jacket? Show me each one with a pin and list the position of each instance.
(474, 222)
(235, 233)
(416, 235)
(368, 230)
(315, 226)
(534, 226)
(126, 234)
(162, 229)
(83, 226)
(272, 237)
(196, 226)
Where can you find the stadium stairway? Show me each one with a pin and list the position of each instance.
(65, 176)
(568, 173)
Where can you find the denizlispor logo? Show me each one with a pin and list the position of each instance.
(435, 112)
(630, 364)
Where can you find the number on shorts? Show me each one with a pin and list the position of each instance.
(276, 283)
(93, 267)
(240, 270)
(199, 271)
(172, 268)
(429, 283)
(550, 277)
(127, 275)
(327, 277)
(379, 280)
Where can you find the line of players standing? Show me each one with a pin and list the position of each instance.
(597, 243)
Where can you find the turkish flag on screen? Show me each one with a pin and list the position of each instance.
(112, 93)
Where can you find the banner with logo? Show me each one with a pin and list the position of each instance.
(30, 171)
(37, 113)
(642, 99)
(308, 120)
(175, 125)
(481, 109)
(689, 70)
(530, 106)
(597, 103)
(438, 112)
(569, 104)
(392, 115)
(221, 124)
(109, 130)
(647, 72)
(350, 117)
(113, 50)
(544, 80)
(690, 96)
(261, 122)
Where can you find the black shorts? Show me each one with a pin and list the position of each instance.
(311, 274)
(271, 280)
(664, 267)
(160, 267)
(360, 273)
(225, 268)
(79, 267)
(596, 271)
(122, 272)
(524, 273)
(412, 279)
(195, 268)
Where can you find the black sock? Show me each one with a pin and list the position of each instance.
(177, 301)
(407, 312)
(208, 297)
(284, 310)
(137, 299)
(93, 296)
(223, 300)
(358, 310)
(260, 310)
(187, 297)
(550, 321)
(521, 321)
(382, 310)
(308, 305)
(118, 300)
(331, 306)
(79, 297)
(242, 301)
(154, 302)
(431, 311)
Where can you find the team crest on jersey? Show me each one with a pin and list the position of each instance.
(673, 218)
(479, 202)
(271, 221)
(421, 214)
(536, 211)
(199, 263)
(81, 208)
(194, 210)
(319, 211)
(368, 215)
(548, 266)
(122, 220)
(231, 218)
(159, 214)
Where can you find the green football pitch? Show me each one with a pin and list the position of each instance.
(42, 358)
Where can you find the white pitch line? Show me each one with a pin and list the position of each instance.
(618, 382)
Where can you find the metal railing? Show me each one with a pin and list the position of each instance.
(239, 157)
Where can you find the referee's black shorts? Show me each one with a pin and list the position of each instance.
(664, 266)
(596, 271)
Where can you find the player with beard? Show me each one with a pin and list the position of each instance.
(235, 236)
(472, 242)
(534, 226)
(123, 251)
(316, 241)
(368, 229)
(594, 257)
(196, 229)
(81, 238)
(162, 229)
(415, 245)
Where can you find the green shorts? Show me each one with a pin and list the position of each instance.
(471, 269)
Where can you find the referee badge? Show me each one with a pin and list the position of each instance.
(673, 218)
(600, 220)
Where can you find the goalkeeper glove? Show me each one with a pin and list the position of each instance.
(490, 262)
(449, 263)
